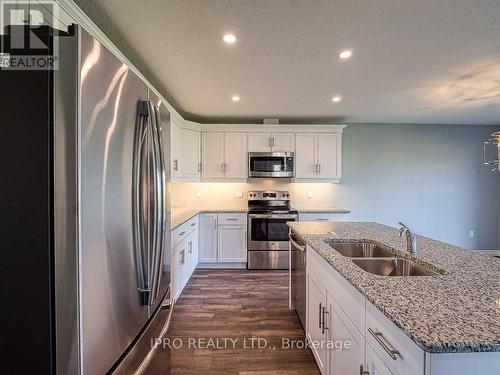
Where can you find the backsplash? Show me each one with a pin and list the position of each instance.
(235, 195)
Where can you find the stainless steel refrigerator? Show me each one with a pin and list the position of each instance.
(84, 162)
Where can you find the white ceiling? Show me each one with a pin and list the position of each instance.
(415, 61)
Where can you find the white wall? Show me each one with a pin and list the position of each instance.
(429, 176)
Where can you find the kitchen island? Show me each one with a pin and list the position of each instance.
(457, 311)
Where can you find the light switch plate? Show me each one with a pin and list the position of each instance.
(309, 195)
(239, 194)
(197, 194)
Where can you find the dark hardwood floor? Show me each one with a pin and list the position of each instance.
(234, 322)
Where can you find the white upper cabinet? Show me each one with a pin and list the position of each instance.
(189, 163)
(305, 155)
(225, 156)
(283, 142)
(213, 155)
(176, 149)
(235, 155)
(259, 142)
(318, 156)
(329, 148)
(271, 142)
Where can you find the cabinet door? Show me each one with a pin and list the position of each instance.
(236, 156)
(374, 365)
(213, 155)
(232, 244)
(306, 155)
(181, 271)
(283, 142)
(208, 238)
(192, 253)
(328, 155)
(190, 155)
(259, 142)
(347, 353)
(176, 147)
(316, 302)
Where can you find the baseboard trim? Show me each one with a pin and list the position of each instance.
(222, 265)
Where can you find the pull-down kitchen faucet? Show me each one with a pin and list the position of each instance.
(411, 240)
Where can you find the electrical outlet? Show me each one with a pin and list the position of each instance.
(471, 234)
(309, 195)
(239, 194)
(197, 194)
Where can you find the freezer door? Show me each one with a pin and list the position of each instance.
(111, 310)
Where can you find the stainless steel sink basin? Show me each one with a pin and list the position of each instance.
(361, 250)
(393, 267)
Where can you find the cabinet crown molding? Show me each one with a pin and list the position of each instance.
(281, 128)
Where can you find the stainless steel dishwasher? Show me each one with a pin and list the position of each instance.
(298, 276)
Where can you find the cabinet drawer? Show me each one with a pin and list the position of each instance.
(347, 296)
(192, 224)
(383, 336)
(310, 216)
(179, 233)
(232, 219)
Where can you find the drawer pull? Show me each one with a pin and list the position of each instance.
(393, 353)
(231, 219)
(182, 233)
(193, 224)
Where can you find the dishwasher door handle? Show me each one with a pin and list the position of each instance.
(295, 244)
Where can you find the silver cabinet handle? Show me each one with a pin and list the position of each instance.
(319, 168)
(393, 353)
(190, 244)
(176, 164)
(231, 219)
(193, 224)
(222, 168)
(183, 257)
(182, 233)
(269, 144)
(324, 327)
(272, 143)
(320, 315)
(199, 167)
(362, 371)
(316, 168)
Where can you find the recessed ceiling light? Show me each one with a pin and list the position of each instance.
(229, 38)
(235, 98)
(346, 54)
(336, 98)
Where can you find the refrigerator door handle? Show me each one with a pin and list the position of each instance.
(139, 215)
(158, 203)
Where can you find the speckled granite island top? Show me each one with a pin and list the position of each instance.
(456, 312)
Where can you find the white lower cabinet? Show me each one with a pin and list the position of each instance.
(316, 333)
(208, 238)
(223, 238)
(184, 244)
(347, 344)
(232, 243)
(374, 365)
(345, 319)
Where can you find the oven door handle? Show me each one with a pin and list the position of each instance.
(264, 216)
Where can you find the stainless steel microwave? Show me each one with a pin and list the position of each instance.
(270, 165)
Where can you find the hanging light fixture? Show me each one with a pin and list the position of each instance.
(491, 152)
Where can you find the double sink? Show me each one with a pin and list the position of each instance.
(378, 260)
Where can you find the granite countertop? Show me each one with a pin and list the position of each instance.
(456, 312)
(179, 215)
(324, 210)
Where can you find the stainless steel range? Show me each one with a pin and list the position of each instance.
(268, 213)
